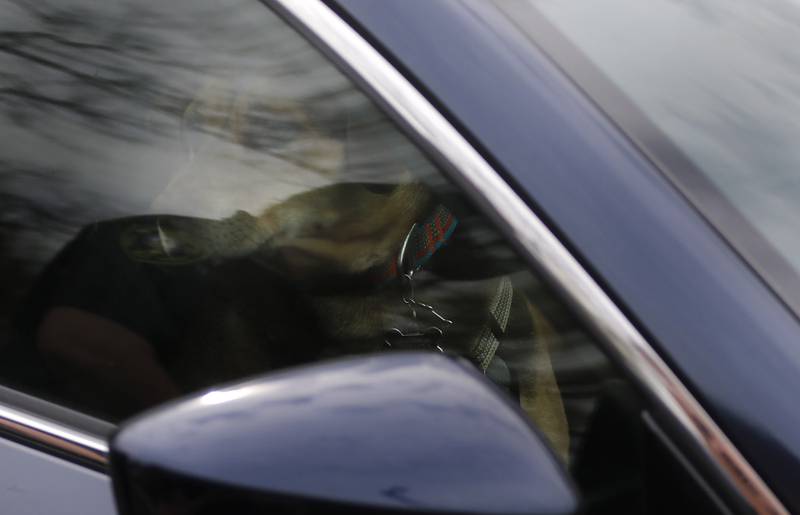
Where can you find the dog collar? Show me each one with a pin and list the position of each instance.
(420, 244)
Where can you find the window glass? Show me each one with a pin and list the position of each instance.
(192, 194)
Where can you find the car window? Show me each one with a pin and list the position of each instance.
(192, 194)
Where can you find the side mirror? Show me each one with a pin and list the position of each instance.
(394, 433)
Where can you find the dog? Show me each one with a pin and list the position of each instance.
(140, 310)
(335, 244)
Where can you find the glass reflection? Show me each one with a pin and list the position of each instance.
(191, 195)
(186, 109)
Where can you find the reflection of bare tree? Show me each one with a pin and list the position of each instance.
(36, 219)
(97, 99)
(133, 71)
(119, 73)
(64, 73)
(57, 210)
(96, 74)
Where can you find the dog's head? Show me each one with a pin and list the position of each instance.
(345, 228)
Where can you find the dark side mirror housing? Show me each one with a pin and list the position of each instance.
(394, 433)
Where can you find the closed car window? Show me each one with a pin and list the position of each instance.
(192, 194)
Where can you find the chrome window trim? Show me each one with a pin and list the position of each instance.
(465, 164)
(53, 436)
